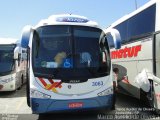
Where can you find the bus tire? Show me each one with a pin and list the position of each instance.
(28, 91)
(114, 101)
(151, 92)
(21, 80)
(148, 97)
(28, 97)
(157, 111)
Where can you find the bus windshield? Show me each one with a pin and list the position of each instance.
(69, 52)
(6, 58)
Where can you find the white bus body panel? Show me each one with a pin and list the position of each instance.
(144, 60)
(5, 41)
(8, 82)
(15, 78)
(52, 20)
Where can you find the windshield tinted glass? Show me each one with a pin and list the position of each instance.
(64, 50)
(87, 46)
(53, 46)
(6, 58)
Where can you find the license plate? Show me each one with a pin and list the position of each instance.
(75, 105)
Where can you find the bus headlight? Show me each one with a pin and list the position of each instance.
(37, 94)
(6, 80)
(106, 92)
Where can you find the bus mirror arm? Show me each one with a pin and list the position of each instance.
(15, 57)
(16, 53)
(116, 37)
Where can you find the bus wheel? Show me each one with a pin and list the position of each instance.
(148, 97)
(113, 106)
(151, 98)
(157, 111)
(21, 82)
(28, 98)
(114, 101)
(28, 92)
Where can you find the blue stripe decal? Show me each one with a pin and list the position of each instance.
(51, 105)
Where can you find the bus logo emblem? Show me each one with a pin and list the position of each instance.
(69, 86)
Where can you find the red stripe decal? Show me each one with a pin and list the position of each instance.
(52, 86)
(125, 81)
(43, 82)
(51, 81)
(59, 85)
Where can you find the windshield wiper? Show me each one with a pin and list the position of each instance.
(50, 76)
(92, 72)
(97, 72)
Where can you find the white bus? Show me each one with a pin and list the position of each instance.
(12, 65)
(137, 63)
(69, 65)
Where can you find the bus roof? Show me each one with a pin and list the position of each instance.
(67, 19)
(8, 41)
(150, 3)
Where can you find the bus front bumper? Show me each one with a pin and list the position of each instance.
(10, 86)
(52, 105)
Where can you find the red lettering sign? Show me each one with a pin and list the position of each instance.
(75, 105)
(126, 52)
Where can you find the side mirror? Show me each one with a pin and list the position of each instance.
(116, 37)
(26, 35)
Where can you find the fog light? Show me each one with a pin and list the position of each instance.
(37, 94)
(1, 86)
(6, 80)
(11, 86)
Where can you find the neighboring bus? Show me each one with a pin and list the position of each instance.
(12, 64)
(69, 65)
(137, 63)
